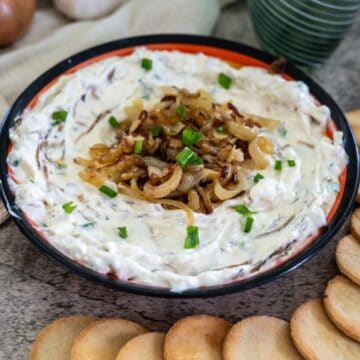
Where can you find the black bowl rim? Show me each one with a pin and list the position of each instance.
(313, 248)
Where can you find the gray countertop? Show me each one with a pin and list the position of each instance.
(34, 290)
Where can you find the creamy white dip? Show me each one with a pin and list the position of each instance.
(294, 200)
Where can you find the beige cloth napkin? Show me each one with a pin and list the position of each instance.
(21, 65)
(52, 37)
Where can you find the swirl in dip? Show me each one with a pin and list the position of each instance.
(143, 241)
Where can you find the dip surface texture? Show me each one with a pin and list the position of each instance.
(291, 203)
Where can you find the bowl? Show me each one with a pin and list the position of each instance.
(234, 53)
(305, 32)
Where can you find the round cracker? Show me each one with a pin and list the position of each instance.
(149, 346)
(103, 339)
(342, 304)
(196, 337)
(317, 338)
(348, 258)
(260, 337)
(56, 339)
(355, 224)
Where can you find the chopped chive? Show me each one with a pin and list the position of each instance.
(156, 130)
(190, 136)
(278, 165)
(138, 146)
(146, 64)
(107, 191)
(59, 117)
(258, 177)
(224, 81)
(291, 163)
(243, 210)
(187, 157)
(248, 224)
(69, 207)
(32, 181)
(88, 225)
(181, 111)
(15, 163)
(192, 238)
(113, 122)
(220, 129)
(282, 130)
(123, 233)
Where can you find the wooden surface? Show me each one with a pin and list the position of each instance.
(34, 290)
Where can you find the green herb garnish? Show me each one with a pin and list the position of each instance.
(69, 207)
(190, 136)
(220, 129)
(187, 157)
(181, 111)
(282, 130)
(291, 163)
(156, 130)
(123, 233)
(15, 163)
(146, 64)
(107, 191)
(138, 146)
(224, 81)
(243, 210)
(258, 177)
(192, 238)
(278, 165)
(248, 224)
(59, 117)
(113, 122)
(89, 225)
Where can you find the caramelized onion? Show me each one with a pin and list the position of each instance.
(224, 194)
(268, 123)
(222, 144)
(257, 155)
(157, 192)
(240, 131)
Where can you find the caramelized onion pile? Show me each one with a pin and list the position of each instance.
(186, 152)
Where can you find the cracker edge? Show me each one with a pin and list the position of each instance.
(344, 270)
(94, 324)
(347, 329)
(179, 322)
(44, 331)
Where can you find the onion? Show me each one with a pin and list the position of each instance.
(257, 155)
(240, 131)
(194, 200)
(224, 194)
(270, 124)
(151, 161)
(265, 145)
(157, 192)
(190, 180)
(15, 18)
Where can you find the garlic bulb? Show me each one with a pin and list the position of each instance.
(85, 9)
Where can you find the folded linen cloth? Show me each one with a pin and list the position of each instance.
(52, 37)
(23, 64)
